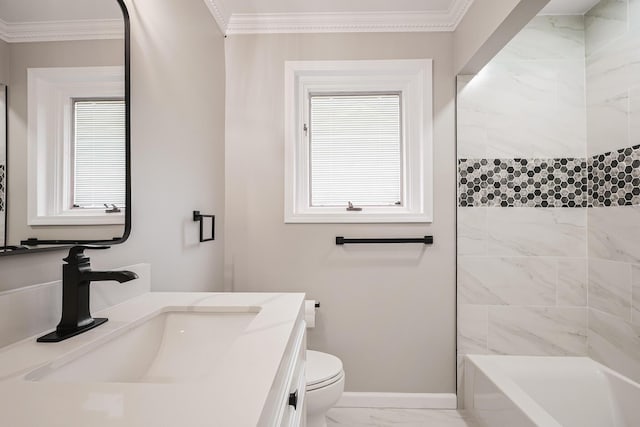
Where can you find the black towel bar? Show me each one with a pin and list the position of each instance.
(198, 217)
(427, 240)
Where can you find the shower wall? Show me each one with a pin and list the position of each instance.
(522, 196)
(549, 192)
(612, 35)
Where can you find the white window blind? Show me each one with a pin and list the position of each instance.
(356, 150)
(99, 153)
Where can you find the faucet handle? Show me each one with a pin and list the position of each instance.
(76, 253)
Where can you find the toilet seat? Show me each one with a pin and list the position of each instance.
(322, 370)
(323, 384)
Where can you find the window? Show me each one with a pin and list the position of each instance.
(76, 145)
(358, 141)
(356, 150)
(98, 174)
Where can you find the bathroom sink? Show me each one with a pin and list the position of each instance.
(174, 346)
(163, 359)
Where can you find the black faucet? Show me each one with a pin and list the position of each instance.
(76, 277)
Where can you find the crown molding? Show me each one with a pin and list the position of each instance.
(217, 9)
(94, 29)
(337, 22)
(273, 23)
(457, 11)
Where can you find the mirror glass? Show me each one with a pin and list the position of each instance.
(65, 139)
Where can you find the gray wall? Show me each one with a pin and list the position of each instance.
(177, 79)
(387, 311)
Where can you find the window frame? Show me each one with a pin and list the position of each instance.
(51, 92)
(413, 80)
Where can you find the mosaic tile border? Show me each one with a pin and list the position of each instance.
(609, 179)
(558, 182)
(614, 178)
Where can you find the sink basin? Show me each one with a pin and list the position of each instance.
(174, 346)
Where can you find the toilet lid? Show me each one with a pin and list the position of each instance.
(321, 367)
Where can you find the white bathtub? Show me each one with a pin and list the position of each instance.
(525, 391)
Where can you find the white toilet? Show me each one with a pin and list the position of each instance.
(325, 384)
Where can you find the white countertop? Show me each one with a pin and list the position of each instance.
(235, 399)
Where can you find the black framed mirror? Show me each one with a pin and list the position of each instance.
(65, 162)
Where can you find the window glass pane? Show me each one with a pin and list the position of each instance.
(355, 150)
(99, 153)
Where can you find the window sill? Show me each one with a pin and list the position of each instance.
(356, 217)
(84, 218)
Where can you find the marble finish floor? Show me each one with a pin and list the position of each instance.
(365, 417)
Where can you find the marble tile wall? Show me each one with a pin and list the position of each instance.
(541, 71)
(612, 30)
(522, 271)
(612, 36)
(522, 281)
(548, 279)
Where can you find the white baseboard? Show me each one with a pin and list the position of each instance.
(398, 400)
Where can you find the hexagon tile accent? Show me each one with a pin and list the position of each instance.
(522, 182)
(609, 179)
(614, 178)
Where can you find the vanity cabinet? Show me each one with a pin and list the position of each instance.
(286, 406)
